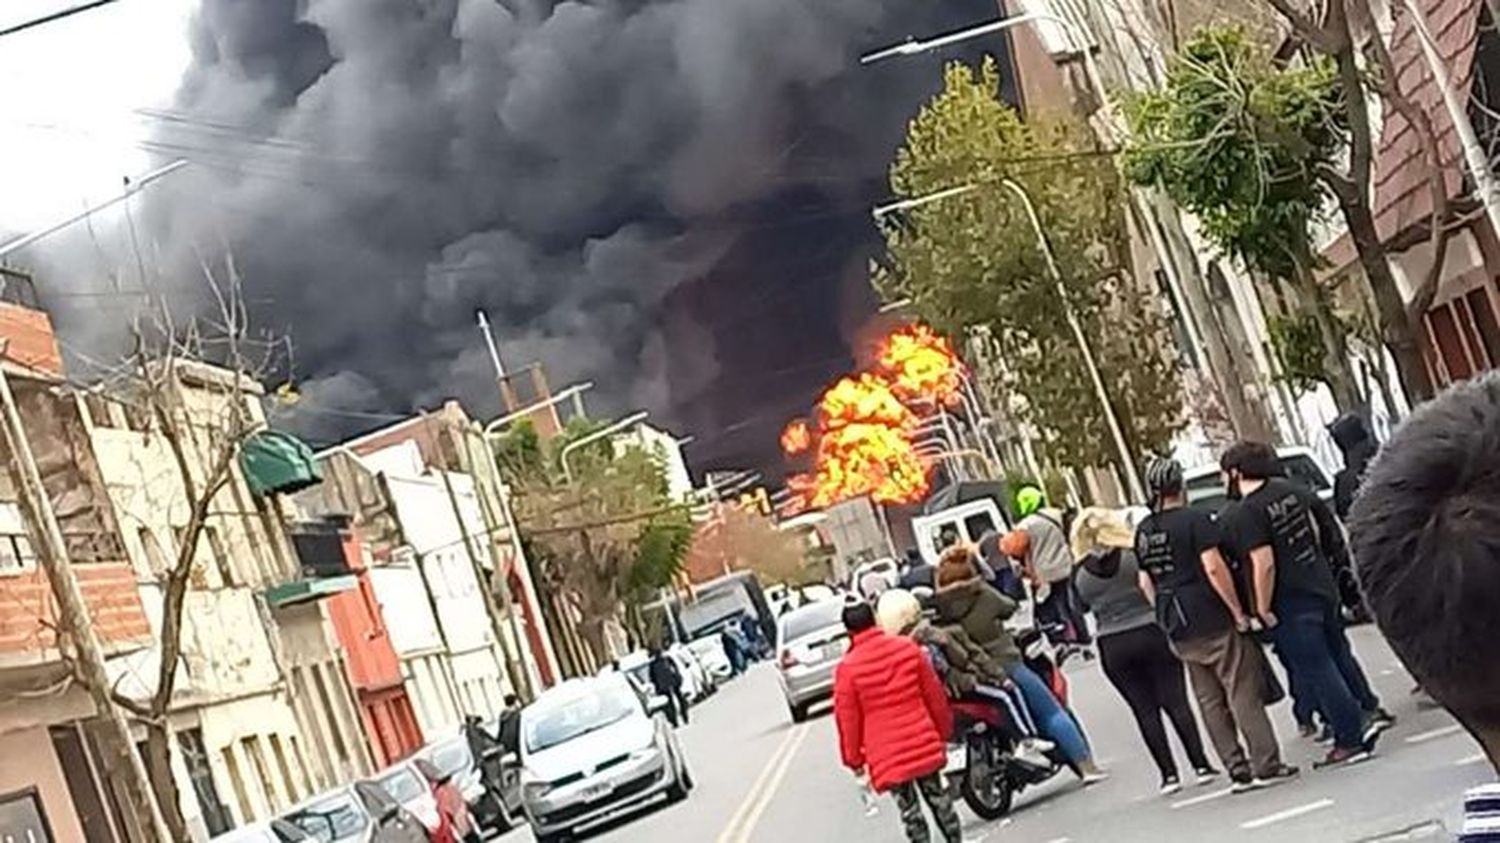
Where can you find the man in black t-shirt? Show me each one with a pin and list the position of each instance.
(1285, 537)
(1188, 581)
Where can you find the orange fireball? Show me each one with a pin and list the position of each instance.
(921, 365)
(796, 437)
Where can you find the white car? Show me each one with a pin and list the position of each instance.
(709, 651)
(594, 749)
(695, 680)
(1205, 488)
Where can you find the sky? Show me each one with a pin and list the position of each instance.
(669, 199)
(68, 133)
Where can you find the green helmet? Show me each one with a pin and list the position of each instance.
(1028, 500)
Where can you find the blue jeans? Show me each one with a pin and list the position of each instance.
(1052, 720)
(1311, 638)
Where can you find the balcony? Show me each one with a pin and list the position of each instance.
(28, 628)
(327, 559)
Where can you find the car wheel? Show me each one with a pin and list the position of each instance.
(799, 712)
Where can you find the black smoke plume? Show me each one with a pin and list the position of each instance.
(668, 197)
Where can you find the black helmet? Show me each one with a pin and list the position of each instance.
(1163, 477)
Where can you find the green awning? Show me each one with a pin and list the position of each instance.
(274, 461)
(302, 591)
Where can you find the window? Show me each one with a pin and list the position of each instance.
(16, 553)
(215, 813)
(262, 772)
(1449, 344)
(1483, 313)
(98, 823)
(156, 558)
(22, 817)
(333, 721)
(285, 768)
(237, 781)
(979, 524)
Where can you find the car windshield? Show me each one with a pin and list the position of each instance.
(450, 757)
(553, 723)
(403, 785)
(333, 819)
(809, 619)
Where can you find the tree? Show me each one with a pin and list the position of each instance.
(972, 259)
(1362, 69)
(610, 538)
(1240, 143)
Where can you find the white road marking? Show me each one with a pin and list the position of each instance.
(1289, 813)
(768, 792)
(728, 834)
(1199, 800)
(1061, 840)
(1434, 734)
(1469, 759)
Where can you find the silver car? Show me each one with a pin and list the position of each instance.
(593, 749)
(809, 643)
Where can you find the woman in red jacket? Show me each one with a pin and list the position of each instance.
(894, 722)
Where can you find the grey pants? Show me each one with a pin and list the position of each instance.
(1227, 675)
(934, 791)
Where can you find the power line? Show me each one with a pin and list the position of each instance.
(55, 16)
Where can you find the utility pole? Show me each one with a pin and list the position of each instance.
(73, 615)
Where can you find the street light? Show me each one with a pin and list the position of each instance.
(576, 389)
(629, 421)
(135, 186)
(1127, 464)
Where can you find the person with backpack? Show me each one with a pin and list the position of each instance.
(1197, 606)
(1286, 538)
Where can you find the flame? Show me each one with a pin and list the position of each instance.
(863, 442)
(921, 365)
(796, 437)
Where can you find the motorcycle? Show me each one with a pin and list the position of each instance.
(982, 765)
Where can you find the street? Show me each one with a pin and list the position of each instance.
(763, 780)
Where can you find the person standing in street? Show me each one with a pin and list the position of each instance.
(667, 680)
(1184, 575)
(1425, 529)
(1285, 537)
(1040, 544)
(1135, 654)
(893, 723)
(1357, 442)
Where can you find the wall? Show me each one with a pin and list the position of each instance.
(27, 760)
(362, 633)
(27, 636)
(320, 693)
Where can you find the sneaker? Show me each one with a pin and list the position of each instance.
(1243, 783)
(1094, 778)
(1206, 775)
(1344, 757)
(1281, 773)
(1041, 745)
(1374, 727)
(1326, 736)
(1384, 718)
(1307, 730)
(1029, 754)
(1170, 785)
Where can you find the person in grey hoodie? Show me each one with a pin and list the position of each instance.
(1136, 656)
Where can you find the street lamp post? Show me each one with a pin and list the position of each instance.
(571, 392)
(629, 421)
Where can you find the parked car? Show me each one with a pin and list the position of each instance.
(406, 784)
(361, 812)
(494, 799)
(709, 650)
(593, 749)
(809, 643)
(1205, 488)
(275, 831)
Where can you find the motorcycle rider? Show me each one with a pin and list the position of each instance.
(966, 669)
(964, 600)
(1040, 544)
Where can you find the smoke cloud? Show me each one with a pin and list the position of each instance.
(667, 197)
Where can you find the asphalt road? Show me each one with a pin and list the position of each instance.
(763, 780)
